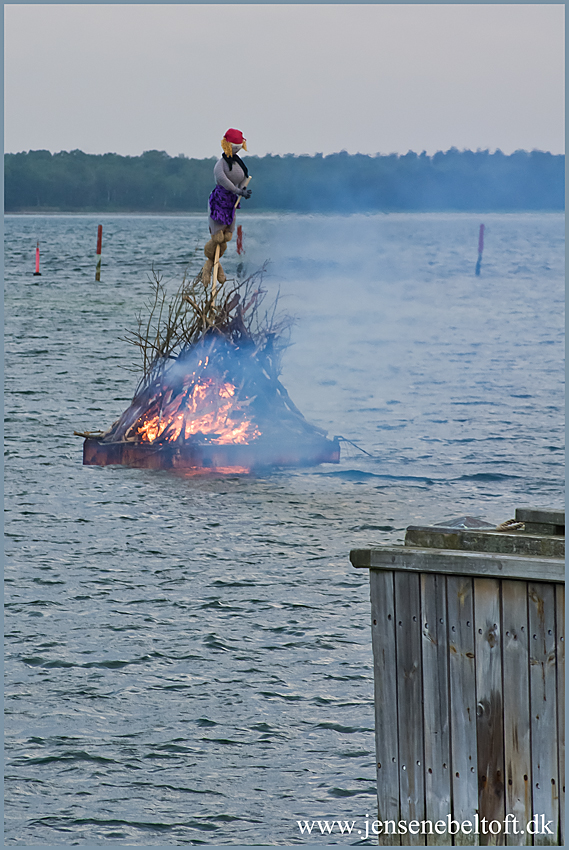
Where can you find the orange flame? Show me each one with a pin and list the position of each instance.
(203, 406)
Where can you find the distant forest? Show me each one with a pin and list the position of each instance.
(39, 181)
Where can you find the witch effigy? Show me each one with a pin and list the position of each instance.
(231, 177)
(210, 397)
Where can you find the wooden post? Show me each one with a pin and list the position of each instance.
(462, 676)
(37, 272)
(436, 702)
(480, 248)
(409, 700)
(468, 650)
(543, 705)
(489, 701)
(560, 632)
(99, 245)
(517, 752)
(214, 275)
(385, 684)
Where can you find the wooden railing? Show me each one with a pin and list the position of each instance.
(468, 651)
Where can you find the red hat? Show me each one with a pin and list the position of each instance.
(235, 137)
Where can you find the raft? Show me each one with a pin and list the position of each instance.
(243, 458)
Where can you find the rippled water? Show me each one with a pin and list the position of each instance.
(189, 659)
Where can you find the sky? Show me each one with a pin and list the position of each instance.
(301, 79)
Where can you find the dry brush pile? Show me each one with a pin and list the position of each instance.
(210, 363)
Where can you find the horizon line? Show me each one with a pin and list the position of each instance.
(488, 150)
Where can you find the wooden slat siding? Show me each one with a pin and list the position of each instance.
(436, 702)
(560, 636)
(410, 702)
(385, 688)
(462, 703)
(515, 674)
(457, 562)
(489, 720)
(543, 707)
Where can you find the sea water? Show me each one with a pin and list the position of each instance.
(189, 659)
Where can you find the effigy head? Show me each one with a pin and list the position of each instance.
(233, 141)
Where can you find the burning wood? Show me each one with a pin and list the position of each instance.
(210, 396)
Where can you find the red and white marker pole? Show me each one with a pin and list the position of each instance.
(240, 239)
(37, 271)
(99, 248)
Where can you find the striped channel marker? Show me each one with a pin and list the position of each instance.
(99, 247)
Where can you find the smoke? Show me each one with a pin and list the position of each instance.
(219, 403)
(389, 311)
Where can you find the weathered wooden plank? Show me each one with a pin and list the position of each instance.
(541, 515)
(478, 540)
(544, 528)
(517, 750)
(560, 638)
(543, 707)
(436, 702)
(409, 701)
(462, 703)
(455, 562)
(489, 723)
(540, 521)
(361, 558)
(385, 690)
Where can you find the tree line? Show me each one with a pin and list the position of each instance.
(462, 181)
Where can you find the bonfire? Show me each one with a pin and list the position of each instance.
(210, 397)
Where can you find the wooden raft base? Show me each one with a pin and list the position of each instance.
(208, 456)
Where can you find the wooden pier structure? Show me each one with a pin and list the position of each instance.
(468, 648)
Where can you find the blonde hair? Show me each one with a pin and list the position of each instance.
(227, 149)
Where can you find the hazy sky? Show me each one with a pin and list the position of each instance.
(294, 78)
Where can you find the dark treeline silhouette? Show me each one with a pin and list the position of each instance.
(341, 182)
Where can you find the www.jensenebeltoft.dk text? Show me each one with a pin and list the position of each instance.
(511, 825)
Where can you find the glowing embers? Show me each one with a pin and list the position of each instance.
(212, 472)
(202, 405)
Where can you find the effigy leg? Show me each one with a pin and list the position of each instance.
(210, 247)
(219, 240)
(222, 237)
(209, 251)
(206, 272)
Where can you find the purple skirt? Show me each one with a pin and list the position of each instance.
(222, 205)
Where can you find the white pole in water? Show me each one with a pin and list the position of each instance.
(216, 260)
(480, 249)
